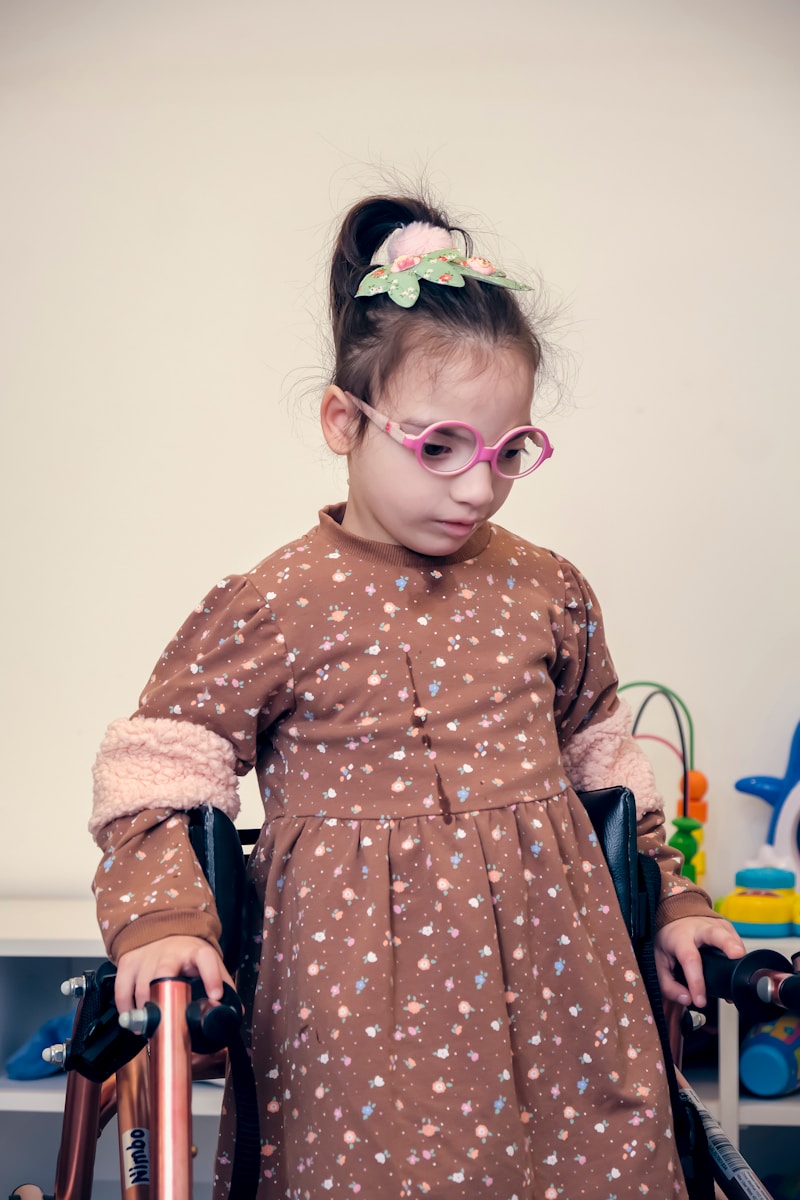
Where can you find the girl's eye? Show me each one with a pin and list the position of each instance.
(435, 449)
(451, 442)
(512, 458)
(447, 448)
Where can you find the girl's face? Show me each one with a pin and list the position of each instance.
(391, 497)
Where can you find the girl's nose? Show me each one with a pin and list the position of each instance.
(475, 486)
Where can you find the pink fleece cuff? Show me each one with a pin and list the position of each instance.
(607, 755)
(154, 762)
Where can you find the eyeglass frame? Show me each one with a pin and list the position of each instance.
(483, 453)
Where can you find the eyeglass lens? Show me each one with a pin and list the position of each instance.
(450, 447)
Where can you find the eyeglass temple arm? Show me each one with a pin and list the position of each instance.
(393, 430)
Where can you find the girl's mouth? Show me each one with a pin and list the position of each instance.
(459, 528)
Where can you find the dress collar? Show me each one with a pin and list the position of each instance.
(330, 523)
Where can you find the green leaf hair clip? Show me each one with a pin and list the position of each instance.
(400, 279)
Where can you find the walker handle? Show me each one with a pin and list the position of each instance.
(789, 994)
(761, 984)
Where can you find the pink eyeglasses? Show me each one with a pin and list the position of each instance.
(452, 447)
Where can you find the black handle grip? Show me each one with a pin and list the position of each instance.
(789, 995)
(213, 1026)
(736, 979)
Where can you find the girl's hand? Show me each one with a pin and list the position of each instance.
(678, 942)
(166, 958)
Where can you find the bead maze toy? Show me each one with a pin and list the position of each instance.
(692, 807)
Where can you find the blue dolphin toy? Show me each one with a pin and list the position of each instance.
(776, 792)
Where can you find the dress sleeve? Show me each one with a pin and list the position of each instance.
(679, 896)
(598, 749)
(220, 683)
(227, 669)
(583, 673)
(149, 884)
(605, 755)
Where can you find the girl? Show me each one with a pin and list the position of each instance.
(442, 997)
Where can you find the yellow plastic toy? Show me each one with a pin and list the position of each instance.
(763, 903)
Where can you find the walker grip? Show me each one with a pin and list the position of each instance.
(737, 980)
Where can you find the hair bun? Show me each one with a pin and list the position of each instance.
(419, 237)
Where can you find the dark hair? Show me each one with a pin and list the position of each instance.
(372, 336)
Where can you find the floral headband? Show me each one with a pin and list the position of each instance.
(447, 266)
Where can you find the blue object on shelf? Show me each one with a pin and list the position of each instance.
(769, 1064)
(27, 1062)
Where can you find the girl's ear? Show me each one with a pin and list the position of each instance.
(337, 417)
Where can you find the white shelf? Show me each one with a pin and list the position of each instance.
(207, 1099)
(47, 1096)
(51, 928)
(785, 946)
(32, 1095)
(783, 1110)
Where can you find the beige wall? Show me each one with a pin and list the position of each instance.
(171, 170)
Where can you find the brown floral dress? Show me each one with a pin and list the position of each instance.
(443, 1000)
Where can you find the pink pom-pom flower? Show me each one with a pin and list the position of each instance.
(418, 238)
(481, 265)
(405, 262)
